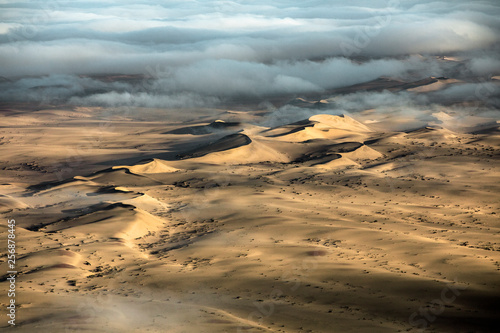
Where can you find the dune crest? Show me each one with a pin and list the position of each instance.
(116, 220)
(8, 203)
(343, 122)
(321, 126)
(154, 166)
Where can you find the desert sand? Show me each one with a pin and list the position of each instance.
(212, 221)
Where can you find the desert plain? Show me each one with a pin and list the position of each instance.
(249, 166)
(209, 220)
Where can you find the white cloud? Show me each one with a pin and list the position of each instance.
(256, 48)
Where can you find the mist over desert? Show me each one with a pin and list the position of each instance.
(249, 166)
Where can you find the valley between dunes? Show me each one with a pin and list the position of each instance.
(216, 223)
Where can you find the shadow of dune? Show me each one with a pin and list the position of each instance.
(228, 142)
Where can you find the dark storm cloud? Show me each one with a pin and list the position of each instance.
(219, 49)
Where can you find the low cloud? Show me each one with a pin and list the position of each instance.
(186, 100)
(214, 50)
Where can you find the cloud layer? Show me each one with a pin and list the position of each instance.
(219, 49)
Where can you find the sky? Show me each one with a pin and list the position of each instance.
(197, 53)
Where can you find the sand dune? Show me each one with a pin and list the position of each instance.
(431, 133)
(113, 221)
(339, 122)
(217, 125)
(8, 203)
(115, 176)
(439, 84)
(253, 229)
(340, 128)
(240, 152)
(226, 143)
(363, 153)
(154, 166)
(319, 134)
